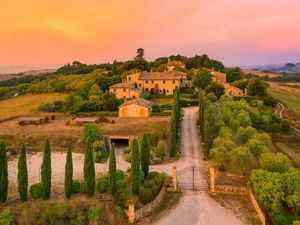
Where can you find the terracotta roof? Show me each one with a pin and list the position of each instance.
(137, 101)
(168, 75)
(122, 85)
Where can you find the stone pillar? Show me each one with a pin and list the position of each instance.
(131, 213)
(212, 176)
(174, 178)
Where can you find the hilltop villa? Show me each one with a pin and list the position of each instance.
(155, 82)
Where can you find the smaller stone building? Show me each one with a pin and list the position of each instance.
(136, 108)
(125, 90)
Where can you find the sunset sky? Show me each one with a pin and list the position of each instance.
(236, 32)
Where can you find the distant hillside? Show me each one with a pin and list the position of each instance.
(283, 68)
(26, 73)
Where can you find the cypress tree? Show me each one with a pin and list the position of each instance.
(22, 175)
(135, 167)
(172, 138)
(69, 174)
(145, 154)
(46, 171)
(112, 169)
(3, 173)
(89, 170)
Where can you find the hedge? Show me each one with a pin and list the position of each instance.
(185, 103)
(161, 114)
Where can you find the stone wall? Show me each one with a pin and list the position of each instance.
(146, 209)
(257, 208)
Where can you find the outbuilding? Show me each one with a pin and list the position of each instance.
(136, 108)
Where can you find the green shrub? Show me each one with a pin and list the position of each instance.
(156, 109)
(93, 213)
(160, 151)
(7, 218)
(82, 187)
(161, 114)
(166, 107)
(36, 190)
(126, 150)
(253, 103)
(121, 197)
(280, 219)
(145, 195)
(91, 131)
(121, 185)
(120, 175)
(75, 189)
(155, 189)
(149, 183)
(103, 185)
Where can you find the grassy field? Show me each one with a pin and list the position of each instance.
(26, 104)
(290, 99)
(292, 150)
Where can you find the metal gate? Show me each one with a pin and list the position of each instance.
(189, 178)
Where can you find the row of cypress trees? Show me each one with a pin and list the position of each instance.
(23, 173)
(205, 126)
(139, 161)
(174, 127)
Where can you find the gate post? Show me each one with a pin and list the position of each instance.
(131, 216)
(174, 170)
(212, 179)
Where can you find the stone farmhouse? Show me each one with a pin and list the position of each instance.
(155, 82)
(229, 89)
(136, 108)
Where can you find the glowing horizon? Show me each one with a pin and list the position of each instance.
(235, 32)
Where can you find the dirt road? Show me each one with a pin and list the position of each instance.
(195, 208)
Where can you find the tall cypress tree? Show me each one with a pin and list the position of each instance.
(22, 175)
(89, 170)
(69, 174)
(3, 173)
(172, 138)
(46, 171)
(135, 167)
(112, 169)
(145, 155)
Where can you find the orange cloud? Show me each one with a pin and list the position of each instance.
(53, 31)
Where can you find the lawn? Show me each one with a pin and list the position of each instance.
(292, 100)
(26, 104)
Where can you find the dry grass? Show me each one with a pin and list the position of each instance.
(26, 104)
(240, 204)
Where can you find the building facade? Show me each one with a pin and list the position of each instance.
(136, 108)
(229, 89)
(155, 82)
